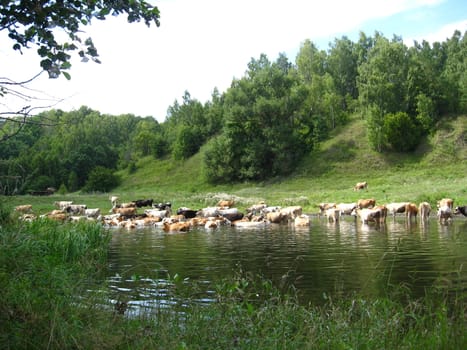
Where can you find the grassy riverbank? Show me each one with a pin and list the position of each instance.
(45, 269)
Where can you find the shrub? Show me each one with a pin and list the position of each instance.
(101, 179)
(400, 132)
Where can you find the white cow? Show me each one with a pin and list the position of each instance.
(302, 220)
(444, 213)
(394, 208)
(292, 212)
(92, 213)
(62, 204)
(424, 209)
(76, 209)
(332, 214)
(346, 208)
(209, 212)
(366, 215)
(114, 201)
(156, 213)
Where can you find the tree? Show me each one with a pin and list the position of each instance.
(33, 23)
(101, 179)
(454, 76)
(261, 138)
(342, 65)
(382, 84)
(186, 127)
(310, 62)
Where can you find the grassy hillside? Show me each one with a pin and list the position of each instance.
(437, 169)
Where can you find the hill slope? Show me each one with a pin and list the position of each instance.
(436, 169)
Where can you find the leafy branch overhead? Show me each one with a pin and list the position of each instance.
(35, 22)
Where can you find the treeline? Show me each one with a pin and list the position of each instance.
(262, 125)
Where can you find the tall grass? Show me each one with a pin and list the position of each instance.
(250, 313)
(44, 268)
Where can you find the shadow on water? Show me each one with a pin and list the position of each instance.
(147, 266)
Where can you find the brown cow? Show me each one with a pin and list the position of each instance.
(324, 206)
(446, 202)
(56, 217)
(411, 211)
(383, 212)
(125, 211)
(276, 217)
(24, 209)
(366, 203)
(360, 186)
(176, 226)
(226, 203)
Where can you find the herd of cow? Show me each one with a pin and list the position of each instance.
(368, 211)
(129, 215)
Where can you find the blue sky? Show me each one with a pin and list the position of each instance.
(204, 44)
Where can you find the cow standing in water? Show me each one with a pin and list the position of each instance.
(461, 210)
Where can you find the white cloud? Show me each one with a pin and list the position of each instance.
(440, 35)
(200, 45)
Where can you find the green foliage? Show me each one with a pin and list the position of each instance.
(132, 168)
(189, 126)
(425, 112)
(382, 79)
(41, 182)
(259, 131)
(62, 189)
(219, 162)
(343, 68)
(44, 267)
(72, 181)
(148, 139)
(267, 121)
(28, 22)
(101, 179)
(401, 133)
(186, 143)
(5, 212)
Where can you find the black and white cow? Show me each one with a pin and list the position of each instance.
(461, 210)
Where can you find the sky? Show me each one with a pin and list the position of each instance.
(205, 44)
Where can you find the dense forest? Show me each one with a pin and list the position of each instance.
(258, 128)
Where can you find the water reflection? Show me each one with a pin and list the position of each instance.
(336, 258)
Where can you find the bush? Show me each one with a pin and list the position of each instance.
(101, 179)
(400, 132)
(62, 189)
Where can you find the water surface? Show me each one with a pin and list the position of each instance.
(322, 259)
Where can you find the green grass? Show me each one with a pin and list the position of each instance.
(44, 267)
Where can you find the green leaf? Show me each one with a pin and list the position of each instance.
(67, 75)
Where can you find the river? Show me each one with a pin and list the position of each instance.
(325, 258)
